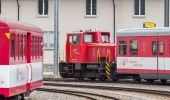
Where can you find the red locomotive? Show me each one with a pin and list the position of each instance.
(142, 53)
(87, 54)
(21, 59)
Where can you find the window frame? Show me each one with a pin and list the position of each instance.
(43, 9)
(123, 45)
(91, 9)
(139, 9)
(133, 54)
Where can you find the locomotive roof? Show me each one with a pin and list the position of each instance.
(19, 25)
(161, 31)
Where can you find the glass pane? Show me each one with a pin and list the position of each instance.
(142, 7)
(51, 39)
(88, 38)
(105, 38)
(21, 47)
(12, 48)
(161, 47)
(136, 7)
(40, 7)
(93, 7)
(122, 47)
(45, 7)
(133, 47)
(154, 48)
(88, 7)
(76, 39)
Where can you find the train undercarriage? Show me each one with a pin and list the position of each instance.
(85, 70)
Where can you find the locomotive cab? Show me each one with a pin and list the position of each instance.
(86, 55)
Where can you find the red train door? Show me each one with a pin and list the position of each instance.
(75, 48)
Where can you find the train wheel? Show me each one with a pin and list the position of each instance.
(137, 79)
(102, 78)
(2, 97)
(80, 78)
(17, 97)
(150, 81)
(63, 75)
(92, 78)
(163, 81)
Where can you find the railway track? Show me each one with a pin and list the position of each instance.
(144, 91)
(85, 95)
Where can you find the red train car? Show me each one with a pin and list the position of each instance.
(21, 59)
(144, 53)
(87, 54)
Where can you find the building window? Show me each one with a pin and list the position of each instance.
(122, 47)
(43, 7)
(133, 47)
(91, 7)
(139, 7)
(49, 40)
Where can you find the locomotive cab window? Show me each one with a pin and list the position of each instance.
(105, 38)
(122, 47)
(76, 39)
(133, 47)
(88, 38)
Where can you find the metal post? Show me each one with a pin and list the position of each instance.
(56, 36)
(114, 22)
(18, 9)
(166, 13)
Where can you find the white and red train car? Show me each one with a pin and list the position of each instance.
(144, 53)
(21, 58)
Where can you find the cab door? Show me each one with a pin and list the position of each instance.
(75, 48)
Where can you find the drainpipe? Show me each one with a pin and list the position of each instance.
(166, 13)
(18, 9)
(114, 22)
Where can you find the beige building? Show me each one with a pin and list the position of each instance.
(78, 15)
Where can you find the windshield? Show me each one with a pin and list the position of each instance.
(88, 38)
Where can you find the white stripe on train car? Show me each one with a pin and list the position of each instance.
(143, 63)
(16, 75)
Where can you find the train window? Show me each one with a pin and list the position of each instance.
(122, 47)
(161, 48)
(17, 47)
(76, 39)
(35, 47)
(105, 38)
(88, 38)
(70, 39)
(154, 48)
(24, 44)
(32, 47)
(21, 47)
(133, 47)
(12, 47)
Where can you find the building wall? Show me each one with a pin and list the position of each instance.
(154, 12)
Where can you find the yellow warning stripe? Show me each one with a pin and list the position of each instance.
(107, 69)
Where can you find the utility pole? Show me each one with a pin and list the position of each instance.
(56, 37)
(166, 13)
